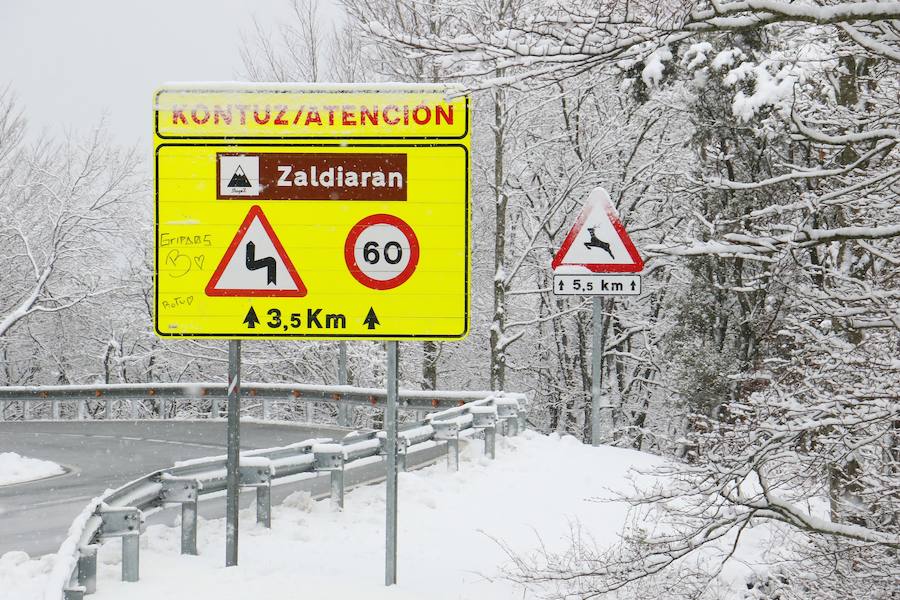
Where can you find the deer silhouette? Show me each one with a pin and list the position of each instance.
(597, 242)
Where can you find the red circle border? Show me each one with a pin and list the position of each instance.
(350, 257)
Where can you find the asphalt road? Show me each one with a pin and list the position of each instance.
(35, 516)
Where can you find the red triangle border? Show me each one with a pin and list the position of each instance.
(637, 262)
(256, 213)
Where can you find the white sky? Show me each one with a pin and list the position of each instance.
(70, 62)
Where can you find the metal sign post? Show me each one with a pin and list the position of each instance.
(234, 447)
(596, 369)
(343, 408)
(390, 428)
(597, 258)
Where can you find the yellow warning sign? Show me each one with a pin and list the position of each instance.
(312, 212)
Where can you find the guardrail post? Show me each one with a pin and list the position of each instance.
(264, 505)
(490, 442)
(79, 409)
(513, 425)
(337, 488)
(189, 528)
(107, 409)
(134, 408)
(163, 408)
(453, 454)
(266, 409)
(54, 410)
(330, 457)
(508, 415)
(124, 522)
(485, 418)
(259, 477)
(184, 491)
(73, 593)
(87, 568)
(26, 410)
(131, 557)
(449, 432)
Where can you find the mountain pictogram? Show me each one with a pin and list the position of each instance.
(239, 179)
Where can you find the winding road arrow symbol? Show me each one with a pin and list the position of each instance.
(267, 263)
(371, 319)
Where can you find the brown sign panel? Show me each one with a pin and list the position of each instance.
(311, 176)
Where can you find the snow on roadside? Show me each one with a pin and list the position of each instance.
(24, 578)
(453, 528)
(450, 525)
(17, 469)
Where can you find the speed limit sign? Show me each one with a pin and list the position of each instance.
(381, 252)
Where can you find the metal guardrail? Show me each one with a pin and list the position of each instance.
(267, 393)
(119, 513)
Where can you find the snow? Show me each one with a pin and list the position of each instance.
(18, 469)
(571, 270)
(696, 54)
(455, 529)
(327, 448)
(56, 568)
(653, 66)
(173, 87)
(768, 89)
(444, 552)
(726, 58)
(260, 462)
(24, 578)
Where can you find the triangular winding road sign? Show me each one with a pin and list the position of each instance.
(255, 264)
(598, 241)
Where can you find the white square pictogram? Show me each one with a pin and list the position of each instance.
(239, 175)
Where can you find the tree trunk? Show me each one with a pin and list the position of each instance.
(430, 351)
(498, 348)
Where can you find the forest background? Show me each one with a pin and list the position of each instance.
(750, 148)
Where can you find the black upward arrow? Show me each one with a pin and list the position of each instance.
(371, 319)
(267, 263)
(251, 319)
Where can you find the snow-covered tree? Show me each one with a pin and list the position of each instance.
(786, 257)
(61, 216)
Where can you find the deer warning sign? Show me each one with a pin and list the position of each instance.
(597, 244)
(310, 211)
(598, 241)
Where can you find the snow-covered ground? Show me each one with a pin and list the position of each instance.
(452, 531)
(17, 469)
